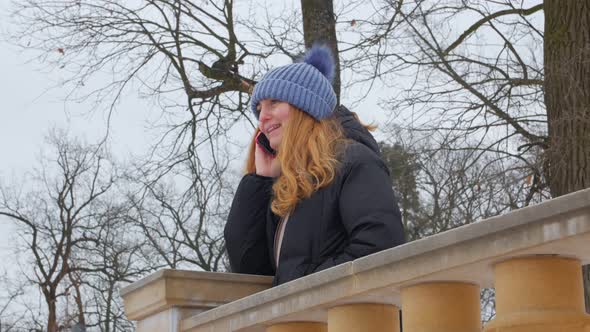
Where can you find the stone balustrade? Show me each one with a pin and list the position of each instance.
(532, 257)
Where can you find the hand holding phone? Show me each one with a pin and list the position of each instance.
(265, 158)
(263, 142)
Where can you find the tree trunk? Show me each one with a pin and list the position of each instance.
(80, 306)
(109, 303)
(52, 313)
(319, 25)
(567, 98)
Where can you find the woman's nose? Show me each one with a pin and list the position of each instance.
(265, 114)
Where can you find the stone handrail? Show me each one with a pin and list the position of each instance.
(532, 256)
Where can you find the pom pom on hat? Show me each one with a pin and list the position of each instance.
(321, 58)
(306, 85)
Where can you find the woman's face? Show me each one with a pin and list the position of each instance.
(272, 118)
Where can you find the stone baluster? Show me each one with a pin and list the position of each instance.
(363, 317)
(298, 327)
(441, 307)
(539, 294)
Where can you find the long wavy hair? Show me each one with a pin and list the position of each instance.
(308, 154)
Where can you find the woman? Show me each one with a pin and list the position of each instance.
(325, 198)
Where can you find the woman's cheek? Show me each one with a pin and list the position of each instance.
(276, 139)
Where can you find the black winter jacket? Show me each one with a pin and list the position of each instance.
(356, 215)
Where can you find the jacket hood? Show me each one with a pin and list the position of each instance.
(354, 130)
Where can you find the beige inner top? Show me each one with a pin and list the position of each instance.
(279, 238)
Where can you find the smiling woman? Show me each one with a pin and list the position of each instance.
(325, 198)
(272, 116)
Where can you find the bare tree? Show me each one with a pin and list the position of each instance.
(119, 257)
(198, 59)
(505, 74)
(441, 188)
(182, 218)
(56, 217)
(9, 317)
(172, 50)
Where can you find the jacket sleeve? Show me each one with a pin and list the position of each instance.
(368, 209)
(245, 230)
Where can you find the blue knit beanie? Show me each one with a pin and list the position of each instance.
(306, 85)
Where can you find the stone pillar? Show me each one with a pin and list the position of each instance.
(159, 302)
(361, 317)
(298, 327)
(441, 307)
(540, 294)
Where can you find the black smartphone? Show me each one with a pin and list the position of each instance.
(263, 142)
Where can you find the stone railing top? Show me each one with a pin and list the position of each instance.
(189, 290)
(196, 275)
(559, 226)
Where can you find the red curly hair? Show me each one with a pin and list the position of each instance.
(308, 154)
